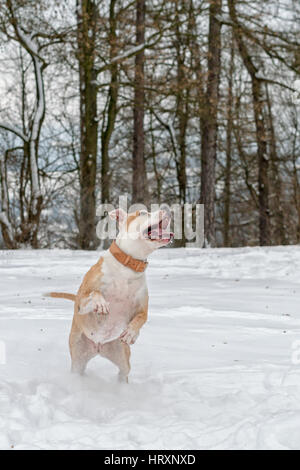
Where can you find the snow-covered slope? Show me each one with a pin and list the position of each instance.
(211, 369)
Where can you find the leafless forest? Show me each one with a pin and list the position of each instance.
(175, 101)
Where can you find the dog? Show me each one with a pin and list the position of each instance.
(111, 305)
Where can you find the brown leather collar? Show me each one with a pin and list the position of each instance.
(136, 265)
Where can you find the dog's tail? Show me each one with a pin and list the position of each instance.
(61, 295)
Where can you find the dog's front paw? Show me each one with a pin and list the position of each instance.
(129, 336)
(95, 303)
(101, 307)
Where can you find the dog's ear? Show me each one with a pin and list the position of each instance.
(119, 215)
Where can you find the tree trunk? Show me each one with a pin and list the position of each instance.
(296, 190)
(261, 134)
(108, 127)
(263, 164)
(227, 189)
(209, 123)
(139, 176)
(158, 177)
(35, 207)
(86, 38)
(182, 93)
(7, 230)
(278, 236)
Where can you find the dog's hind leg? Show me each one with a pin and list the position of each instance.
(118, 353)
(82, 351)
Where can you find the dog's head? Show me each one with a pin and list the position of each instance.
(144, 230)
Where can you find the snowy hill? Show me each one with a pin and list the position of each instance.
(212, 369)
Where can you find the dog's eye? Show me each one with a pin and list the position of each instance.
(143, 212)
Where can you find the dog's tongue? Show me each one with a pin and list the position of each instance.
(155, 233)
(160, 231)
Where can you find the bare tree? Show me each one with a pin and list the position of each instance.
(87, 16)
(278, 232)
(139, 178)
(30, 138)
(111, 105)
(229, 135)
(259, 102)
(5, 219)
(210, 125)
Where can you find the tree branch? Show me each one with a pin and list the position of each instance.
(15, 131)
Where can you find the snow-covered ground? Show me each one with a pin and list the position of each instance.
(212, 369)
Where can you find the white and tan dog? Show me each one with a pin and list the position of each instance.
(111, 304)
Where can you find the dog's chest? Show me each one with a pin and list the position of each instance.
(122, 295)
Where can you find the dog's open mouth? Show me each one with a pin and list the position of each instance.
(159, 232)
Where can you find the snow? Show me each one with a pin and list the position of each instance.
(27, 40)
(131, 51)
(15, 131)
(212, 369)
